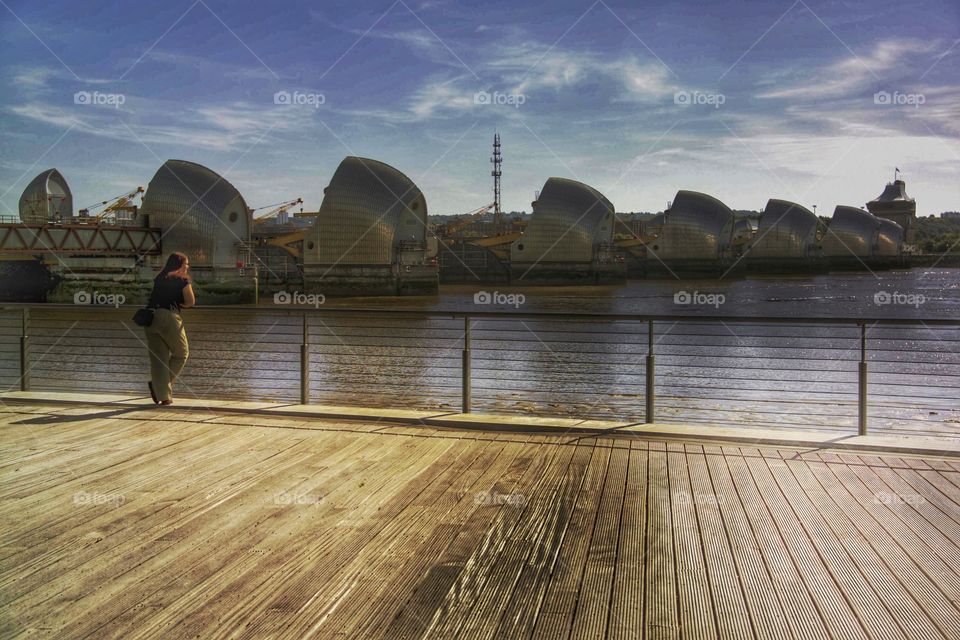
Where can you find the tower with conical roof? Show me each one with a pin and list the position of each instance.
(894, 204)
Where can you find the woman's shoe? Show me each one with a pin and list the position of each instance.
(166, 402)
(153, 394)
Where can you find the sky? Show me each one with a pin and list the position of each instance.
(812, 101)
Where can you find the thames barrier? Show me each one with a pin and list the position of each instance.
(372, 236)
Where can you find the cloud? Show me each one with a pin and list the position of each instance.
(889, 61)
(532, 67)
(223, 127)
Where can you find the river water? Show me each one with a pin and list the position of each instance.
(913, 293)
(730, 372)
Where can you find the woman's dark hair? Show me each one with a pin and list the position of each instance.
(176, 267)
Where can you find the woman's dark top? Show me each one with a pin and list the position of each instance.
(167, 293)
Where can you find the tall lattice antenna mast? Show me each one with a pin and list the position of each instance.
(497, 160)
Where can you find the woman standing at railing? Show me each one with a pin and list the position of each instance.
(166, 337)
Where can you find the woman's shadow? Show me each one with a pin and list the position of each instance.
(79, 418)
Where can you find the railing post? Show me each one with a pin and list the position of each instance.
(650, 375)
(25, 352)
(305, 363)
(863, 381)
(465, 368)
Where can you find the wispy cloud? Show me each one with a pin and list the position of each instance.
(890, 61)
(217, 127)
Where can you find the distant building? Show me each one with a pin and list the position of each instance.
(951, 215)
(894, 204)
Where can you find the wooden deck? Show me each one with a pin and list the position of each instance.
(131, 522)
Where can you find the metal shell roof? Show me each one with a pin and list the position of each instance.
(851, 232)
(786, 230)
(569, 220)
(47, 197)
(200, 213)
(890, 238)
(369, 209)
(695, 227)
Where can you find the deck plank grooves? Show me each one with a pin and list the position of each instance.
(868, 606)
(841, 620)
(926, 596)
(235, 525)
(733, 618)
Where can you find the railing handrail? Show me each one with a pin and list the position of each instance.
(519, 315)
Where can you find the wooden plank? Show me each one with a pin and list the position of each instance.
(778, 604)
(626, 607)
(696, 602)
(926, 544)
(867, 604)
(494, 562)
(832, 607)
(594, 609)
(925, 602)
(661, 615)
(732, 616)
(309, 535)
(556, 613)
(530, 591)
(430, 590)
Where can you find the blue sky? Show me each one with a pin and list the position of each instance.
(743, 100)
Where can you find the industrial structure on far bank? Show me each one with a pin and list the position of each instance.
(372, 236)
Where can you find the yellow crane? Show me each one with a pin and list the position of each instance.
(275, 210)
(112, 207)
(458, 224)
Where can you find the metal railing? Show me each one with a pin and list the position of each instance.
(769, 371)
